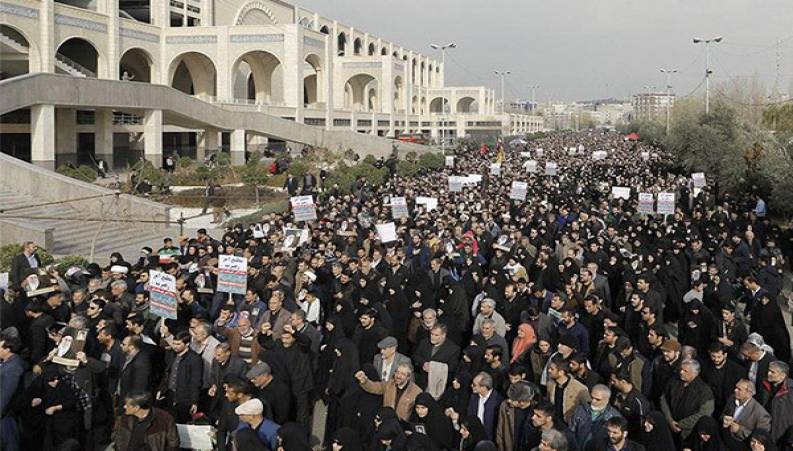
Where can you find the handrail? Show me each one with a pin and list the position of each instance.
(75, 65)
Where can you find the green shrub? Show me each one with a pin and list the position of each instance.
(9, 251)
(276, 181)
(406, 168)
(432, 160)
(370, 159)
(298, 169)
(254, 173)
(83, 172)
(184, 162)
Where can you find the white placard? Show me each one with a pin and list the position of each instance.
(551, 168)
(539, 152)
(518, 191)
(666, 203)
(495, 169)
(525, 154)
(699, 179)
(449, 161)
(530, 166)
(232, 274)
(455, 184)
(621, 192)
(430, 202)
(399, 207)
(645, 156)
(646, 203)
(195, 437)
(387, 232)
(599, 155)
(3, 281)
(303, 207)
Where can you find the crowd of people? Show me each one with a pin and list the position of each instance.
(567, 321)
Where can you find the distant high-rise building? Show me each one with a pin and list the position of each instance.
(650, 106)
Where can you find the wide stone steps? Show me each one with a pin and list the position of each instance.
(75, 236)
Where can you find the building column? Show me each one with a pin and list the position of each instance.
(42, 136)
(238, 145)
(110, 7)
(103, 136)
(293, 70)
(152, 137)
(47, 35)
(207, 142)
(65, 136)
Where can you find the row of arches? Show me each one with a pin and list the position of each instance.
(464, 105)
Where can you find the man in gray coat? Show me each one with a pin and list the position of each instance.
(743, 415)
(387, 361)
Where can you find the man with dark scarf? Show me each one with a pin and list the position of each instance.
(686, 400)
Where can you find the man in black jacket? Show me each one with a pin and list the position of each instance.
(38, 341)
(22, 262)
(181, 385)
(436, 348)
(136, 371)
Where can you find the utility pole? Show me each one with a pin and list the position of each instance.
(668, 73)
(443, 48)
(502, 74)
(707, 67)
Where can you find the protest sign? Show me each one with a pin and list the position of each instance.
(666, 203)
(531, 166)
(303, 207)
(430, 202)
(195, 437)
(645, 156)
(455, 184)
(162, 298)
(291, 239)
(449, 161)
(399, 207)
(233, 274)
(495, 169)
(551, 168)
(699, 179)
(646, 203)
(386, 232)
(539, 152)
(525, 154)
(518, 191)
(621, 192)
(599, 155)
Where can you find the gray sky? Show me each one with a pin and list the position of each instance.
(583, 49)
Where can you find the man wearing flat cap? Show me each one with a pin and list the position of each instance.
(387, 361)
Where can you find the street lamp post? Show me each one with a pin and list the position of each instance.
(502, 74)
(533, 92)
(707, 67)
(668, 73)
(443, 48)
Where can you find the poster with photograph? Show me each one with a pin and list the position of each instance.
(399, 207)
(72, 342)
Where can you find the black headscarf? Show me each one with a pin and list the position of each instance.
(660, 438)
(348, 439)
(344, 368)
(707, 425)
(477, 356)
(293, 437)
(438, 427)
(457, 399)
(476, 432)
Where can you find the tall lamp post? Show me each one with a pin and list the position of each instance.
(668, 73)
(502, 74)
(707, 43)
(533, 92)
(443, 48)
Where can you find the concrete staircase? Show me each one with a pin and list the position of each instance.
(74, 237)
(63, 63)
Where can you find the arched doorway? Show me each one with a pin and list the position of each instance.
(194, 73)
(77, 57)
(311, 80)
(372, 49)
(135, 65)
(17, 55)
(361, 93)
(439, 105)
(357, 46)
(467, 105)
(399, 105)
(258, 76)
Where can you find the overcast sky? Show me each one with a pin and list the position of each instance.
(583, 49)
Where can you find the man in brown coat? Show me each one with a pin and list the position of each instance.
(514, 416)
(564, 391)
(144, 426)
(400, 392)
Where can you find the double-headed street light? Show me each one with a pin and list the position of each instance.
(502, 74)
(707, 43)
(668, 73)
